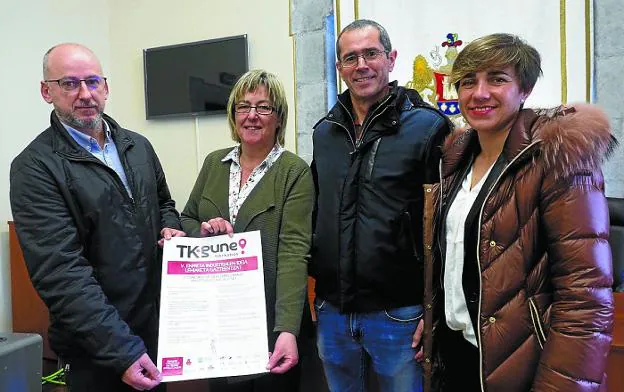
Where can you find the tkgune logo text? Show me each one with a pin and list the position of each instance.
(190, 252)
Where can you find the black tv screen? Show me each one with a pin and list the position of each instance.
(193, 78)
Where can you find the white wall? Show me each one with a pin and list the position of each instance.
(538, 22)
(27, 29)
(118, 31)
(139, 24)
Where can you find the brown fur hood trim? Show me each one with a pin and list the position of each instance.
(570, 138)
(574, 138)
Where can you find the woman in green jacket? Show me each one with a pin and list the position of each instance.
(258, 185)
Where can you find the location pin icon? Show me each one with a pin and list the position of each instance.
(242, 242)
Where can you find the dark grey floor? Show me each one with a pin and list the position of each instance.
(312, 376)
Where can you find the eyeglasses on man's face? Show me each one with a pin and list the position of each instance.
(368, 55)
(265, 110)
(73, 84)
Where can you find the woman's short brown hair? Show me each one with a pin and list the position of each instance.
(251, 81)
(499, 50)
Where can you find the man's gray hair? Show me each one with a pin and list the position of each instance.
(45, 61)
(384, 38)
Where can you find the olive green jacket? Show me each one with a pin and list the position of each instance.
(280, 206)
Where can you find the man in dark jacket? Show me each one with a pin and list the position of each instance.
(372, 154)
(90, 202)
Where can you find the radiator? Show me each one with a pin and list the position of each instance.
(20, 362)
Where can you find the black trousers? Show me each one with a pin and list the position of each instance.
(461, 361)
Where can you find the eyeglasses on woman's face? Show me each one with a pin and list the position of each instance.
(264, 109)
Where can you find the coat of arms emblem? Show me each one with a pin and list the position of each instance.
(432, 79)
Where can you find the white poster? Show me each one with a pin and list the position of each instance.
(212, 309)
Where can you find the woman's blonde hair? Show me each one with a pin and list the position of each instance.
(499, 50)
(251, 81)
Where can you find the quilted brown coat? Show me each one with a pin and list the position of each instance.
(545, 308)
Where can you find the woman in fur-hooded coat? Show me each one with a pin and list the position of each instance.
(540, 294)
(518, 282)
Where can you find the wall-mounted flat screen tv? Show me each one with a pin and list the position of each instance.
(194, 78)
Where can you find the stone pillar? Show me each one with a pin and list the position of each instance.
(609, 82)
(311, 20)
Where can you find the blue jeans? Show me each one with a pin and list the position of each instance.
(347, 343)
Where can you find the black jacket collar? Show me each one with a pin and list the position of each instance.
(398, 100)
